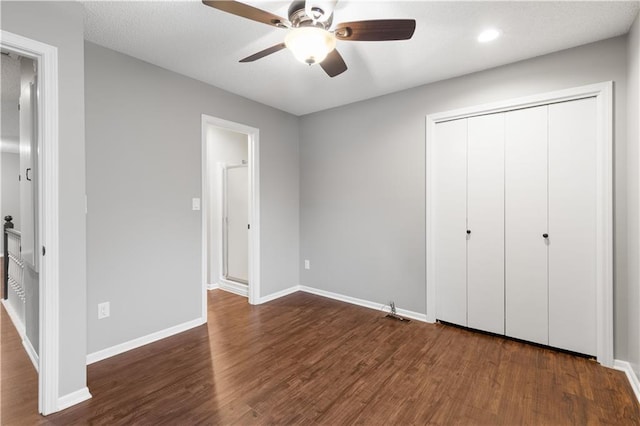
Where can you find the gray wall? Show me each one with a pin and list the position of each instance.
(633, 191)
(223, 146)
(143, 167)
(362, 187)
(60, 24)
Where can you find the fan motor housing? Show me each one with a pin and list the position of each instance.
(299, 18)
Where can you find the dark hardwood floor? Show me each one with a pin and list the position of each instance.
(18, 378)
(304, 359)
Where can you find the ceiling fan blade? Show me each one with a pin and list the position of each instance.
(263, 53)
(249, 12)
(376, 30)
(333, 64)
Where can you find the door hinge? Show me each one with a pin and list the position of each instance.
(248, 226)
(44, 251)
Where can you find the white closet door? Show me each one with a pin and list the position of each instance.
(485, 220)
(449, 221)
(526, 296)
(572, 225)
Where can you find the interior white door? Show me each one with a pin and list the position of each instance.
(572, 225)
(28, 162)
(237, 236)
(449, 221)
(485, 221)
(526, 295)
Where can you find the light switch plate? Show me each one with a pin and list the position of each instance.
(195, 203)
(103, 310)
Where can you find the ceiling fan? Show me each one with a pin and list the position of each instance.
(311, 37)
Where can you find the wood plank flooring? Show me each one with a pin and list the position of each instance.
(304, 359)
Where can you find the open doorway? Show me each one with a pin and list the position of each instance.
(18, 199)
(230, 208)
(39, 224)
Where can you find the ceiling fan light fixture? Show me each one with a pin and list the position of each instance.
(310, 45)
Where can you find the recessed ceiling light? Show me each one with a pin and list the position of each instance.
(488, 35)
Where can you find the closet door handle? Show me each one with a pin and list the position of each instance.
(545, 235)
(468, 232)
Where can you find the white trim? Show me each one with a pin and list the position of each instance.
(220, 211)
(46, 57)
(33, 355)
(204, 216)
(603, 92)
(213, 286)
(253, 135)
(144, 340)
(254, 217)
(361, 302)
(234, 287)
(625, 367)
(279, 294)
(15, 318)
(342, 298)
(73, 398)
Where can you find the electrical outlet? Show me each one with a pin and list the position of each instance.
(103, 310)
(307, 264)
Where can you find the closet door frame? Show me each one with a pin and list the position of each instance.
(603, 93)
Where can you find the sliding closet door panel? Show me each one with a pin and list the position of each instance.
(526, 297)
(572, 225)
(485, 220)
(449, 221)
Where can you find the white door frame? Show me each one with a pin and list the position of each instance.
(253, 135)
(603, 92)
(46, 57)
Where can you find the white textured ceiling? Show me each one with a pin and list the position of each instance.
(206, 44)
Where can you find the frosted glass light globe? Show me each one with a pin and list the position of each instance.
(310, 45)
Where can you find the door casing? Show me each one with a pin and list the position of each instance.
(253, 135)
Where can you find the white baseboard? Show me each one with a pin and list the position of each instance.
(33, 355)
(15, 319)
(235, 288)
(213, 286)
(141, 341)
(631, 375)
(73, 398)
(365, 303)
(278, 294)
